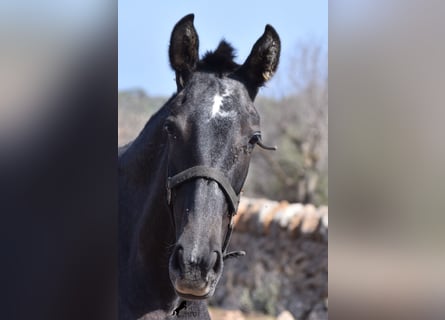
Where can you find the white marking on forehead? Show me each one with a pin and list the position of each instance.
(217, 103)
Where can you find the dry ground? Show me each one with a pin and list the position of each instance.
(221, 314)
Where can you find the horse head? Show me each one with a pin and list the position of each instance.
(211, 130)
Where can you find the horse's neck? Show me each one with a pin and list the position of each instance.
(141, 170)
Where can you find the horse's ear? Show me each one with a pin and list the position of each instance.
(183, 50)
(262, 62)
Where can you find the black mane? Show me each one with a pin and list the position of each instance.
(219, 61)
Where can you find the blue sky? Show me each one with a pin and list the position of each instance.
(145, 26)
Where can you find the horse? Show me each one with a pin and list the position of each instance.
(181, 178)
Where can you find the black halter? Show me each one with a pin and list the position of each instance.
(225, 185)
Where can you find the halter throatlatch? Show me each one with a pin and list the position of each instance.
(225, 185)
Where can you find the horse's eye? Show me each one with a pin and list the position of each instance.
(255, 138)
(169, 127)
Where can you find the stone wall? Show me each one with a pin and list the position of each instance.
(286, 266)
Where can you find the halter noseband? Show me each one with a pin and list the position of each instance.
(225, 185)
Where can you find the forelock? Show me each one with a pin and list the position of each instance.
(219, 61)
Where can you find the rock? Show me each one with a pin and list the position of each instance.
(279, 212)
(264, 220)
(285, 315)
(243, 205)
(294, 224)
(311, 220)
(243, 217)
(265, 216)
(289, 212)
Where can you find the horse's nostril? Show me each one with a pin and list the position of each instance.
(216, 261)
(178, 259)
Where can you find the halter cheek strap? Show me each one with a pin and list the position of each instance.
(225, 185)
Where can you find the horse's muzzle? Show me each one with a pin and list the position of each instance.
(195, 277)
